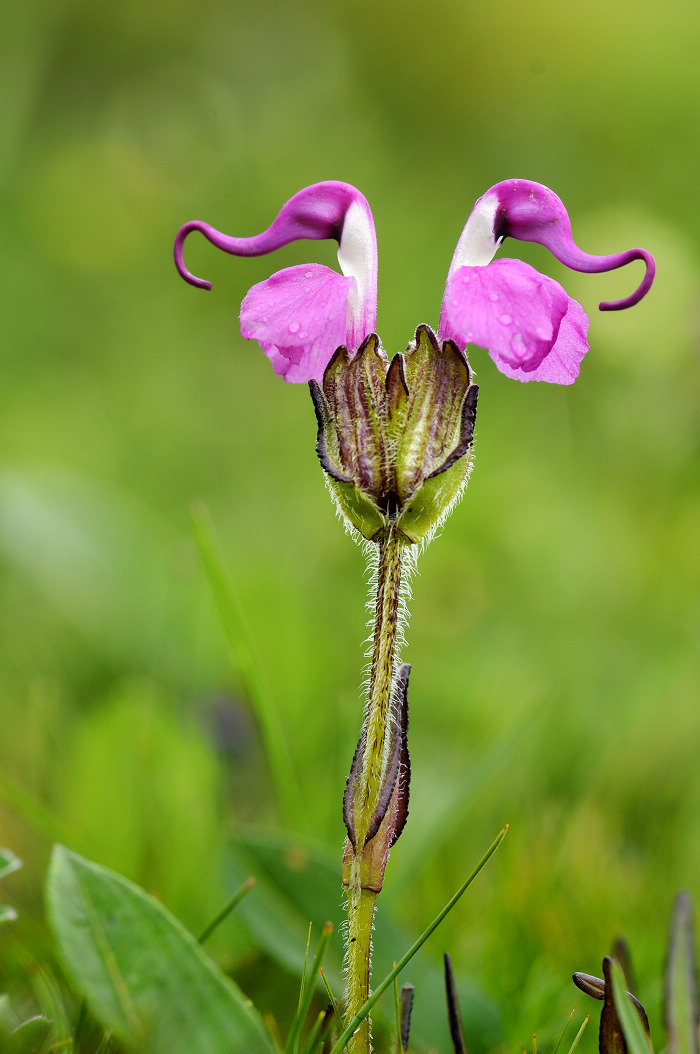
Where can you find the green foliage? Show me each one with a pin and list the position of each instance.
(143, 975)
(28, 1038)
(682, 1017)
(637, 1040)
(8, 863)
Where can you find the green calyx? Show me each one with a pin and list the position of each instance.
(395, 438)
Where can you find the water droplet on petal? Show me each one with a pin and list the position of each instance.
(543, 334)
(303, 335)
(493, 297)
(505, 320)
(517, 346)
(309, 274)
(294, 327)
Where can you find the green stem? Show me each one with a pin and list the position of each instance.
(354, 1024)
(381, 679)
(360, 914)
(373, 770)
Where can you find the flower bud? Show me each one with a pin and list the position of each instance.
(395, 438)
(391, 812)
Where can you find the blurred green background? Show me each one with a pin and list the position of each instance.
(556, 623)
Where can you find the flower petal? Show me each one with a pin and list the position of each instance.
(298, 317)
(561, 364)
(323, 210)
(507, 307)
(531, 212)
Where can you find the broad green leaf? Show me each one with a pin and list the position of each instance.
(681, 1009)
(7, 914)
(142, 974)
(8, 862)
(29, 1037)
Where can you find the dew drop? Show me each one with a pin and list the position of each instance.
(505, 320)
(294, 327)
(309, 274)
(303, 335)
(517, 346)
(493, 297)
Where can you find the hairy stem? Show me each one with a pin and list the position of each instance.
(372, 776)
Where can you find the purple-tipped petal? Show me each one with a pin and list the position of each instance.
(324, 210)
(507, 307)
(298, 317)
(532, 212)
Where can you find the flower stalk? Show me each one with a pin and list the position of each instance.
(380, 688)
(376, 797)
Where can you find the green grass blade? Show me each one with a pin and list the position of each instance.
(313, 1037)
(577, 1038)
(364, 1010)
(681, 1001)
(563, 1032)
(298, 1017)
(226, 910)
(329, 991)
(249, 667)
(292, 1044)
(397, 1014)
(637, 1042)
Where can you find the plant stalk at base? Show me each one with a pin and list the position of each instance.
(376, 796)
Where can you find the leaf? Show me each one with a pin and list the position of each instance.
(681, 1002)
(29, 1037)
(627, 1011)
(142, 974)
(8, 862)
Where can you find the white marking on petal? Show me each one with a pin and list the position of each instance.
(477, 245)
(357, 256)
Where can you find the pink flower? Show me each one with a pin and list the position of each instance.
(531, 327)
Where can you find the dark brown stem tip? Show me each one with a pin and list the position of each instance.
(453, 1013)
(405, 1007)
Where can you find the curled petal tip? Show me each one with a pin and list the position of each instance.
(644, 286)
(193, 225)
